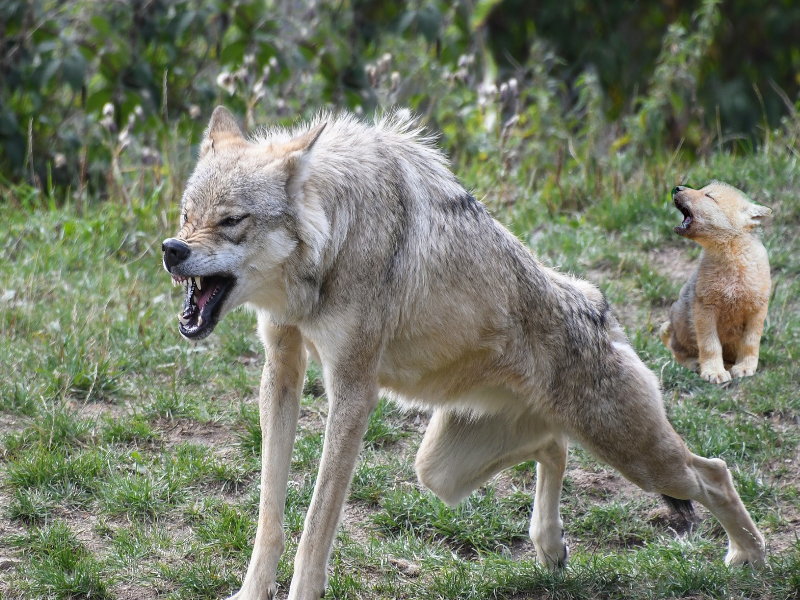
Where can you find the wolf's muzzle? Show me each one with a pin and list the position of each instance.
(175, 252)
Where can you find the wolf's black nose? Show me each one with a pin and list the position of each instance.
(175, 252)
(678, 188)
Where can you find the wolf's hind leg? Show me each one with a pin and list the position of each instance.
(686, 476)
(681, 356)
(665, 332)
(460, 452)
(636, 439)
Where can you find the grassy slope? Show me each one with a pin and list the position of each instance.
(129, 457)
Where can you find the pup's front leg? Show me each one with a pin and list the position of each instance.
(279, 407)
(352, 395)
(747, 352)
(712, 367)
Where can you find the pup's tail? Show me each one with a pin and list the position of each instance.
(683, 507)
(666, 332)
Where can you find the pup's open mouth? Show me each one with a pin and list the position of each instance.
(687, 218)
(204, 299)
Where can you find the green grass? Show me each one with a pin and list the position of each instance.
(130, 458)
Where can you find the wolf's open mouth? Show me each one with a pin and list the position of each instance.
(204, 299)
(687, 218)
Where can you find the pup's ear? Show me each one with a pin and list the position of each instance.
(222, 130)
(756, 212)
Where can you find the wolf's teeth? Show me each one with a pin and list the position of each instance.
(183, 320)
(199, 282)
(199, 321)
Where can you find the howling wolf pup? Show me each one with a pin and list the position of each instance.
(356, 244)
(719, 316)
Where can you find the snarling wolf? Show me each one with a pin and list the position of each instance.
(356, 244)
(715, 326)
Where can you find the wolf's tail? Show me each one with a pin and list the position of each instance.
(666, 332)
(682, 507)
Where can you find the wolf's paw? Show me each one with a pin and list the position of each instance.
(754, 557)
(715, 376)
(742, 370)
(553, 554)
(266, 593)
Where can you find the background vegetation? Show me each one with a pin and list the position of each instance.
(130, 457)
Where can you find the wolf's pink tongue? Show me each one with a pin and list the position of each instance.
(202, 296)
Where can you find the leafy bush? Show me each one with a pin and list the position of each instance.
(111, 97)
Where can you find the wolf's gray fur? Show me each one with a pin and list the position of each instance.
(357, 243)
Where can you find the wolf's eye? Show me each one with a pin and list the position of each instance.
(184, 216)
(231, 221)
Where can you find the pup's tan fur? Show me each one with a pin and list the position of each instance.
(357, 243)
(715, 326)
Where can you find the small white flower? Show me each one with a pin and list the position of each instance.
(384, 62)
(60, 160)
(124, 138)
(108, 123)
(372, 74)
(108, 110)
(194, 111)
(226, 81)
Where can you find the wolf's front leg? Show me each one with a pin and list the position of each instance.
(352, 395)
(712, 368)
(279, 407)
(747, 352)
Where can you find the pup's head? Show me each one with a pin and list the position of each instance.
(716, 212)
(238, 225)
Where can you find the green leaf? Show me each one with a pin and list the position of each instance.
(429, 20)
(101, 25)
(8, 122)
(73, 69)
(233, 52)
(96, 100)
(481, 12)
(46, 71)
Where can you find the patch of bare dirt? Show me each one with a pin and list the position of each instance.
(672, 262)
(95, 410)
(180, 431)
(11, 423)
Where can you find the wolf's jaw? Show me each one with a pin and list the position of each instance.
(684, 226)
(687, 219)
(201, 307)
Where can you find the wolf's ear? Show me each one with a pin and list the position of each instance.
(294, 149)
(756, 212)
(222, 130)
(304, 142)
